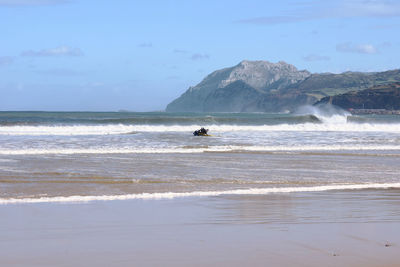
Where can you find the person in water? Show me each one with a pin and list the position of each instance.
(202, 131)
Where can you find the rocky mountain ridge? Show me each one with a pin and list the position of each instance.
(262, 86)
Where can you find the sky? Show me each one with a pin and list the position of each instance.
(84, 55)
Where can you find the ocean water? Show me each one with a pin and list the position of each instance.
(85, 156)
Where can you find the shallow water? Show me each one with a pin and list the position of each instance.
(98, 156)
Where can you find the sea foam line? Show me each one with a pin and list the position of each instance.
(210, 149)
(172, 195)
(113, 129)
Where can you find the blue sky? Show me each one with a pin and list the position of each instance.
(140, 55)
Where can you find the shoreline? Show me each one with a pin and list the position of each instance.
(257, 191)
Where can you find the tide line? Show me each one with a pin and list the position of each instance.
(172, 195)
(182, 150)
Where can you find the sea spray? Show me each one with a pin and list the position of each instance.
(327, 113)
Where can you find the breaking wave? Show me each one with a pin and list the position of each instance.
(209, 149)
(172, 195)
(113, 129)
(307, 118)
(163, 119)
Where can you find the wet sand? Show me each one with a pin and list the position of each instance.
(117, 174)
(339, 228)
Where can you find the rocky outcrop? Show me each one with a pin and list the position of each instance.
(264, 76)
(262, 86)
(385, 97)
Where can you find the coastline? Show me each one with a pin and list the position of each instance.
(373, 111)
(343, 228)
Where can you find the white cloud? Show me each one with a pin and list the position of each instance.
(274, 20)
(6, 61)
(315, 10)
(58, 51)
(198, 56)
(361, 48)
(145, 45)
(313, 57)
(61, 72)
(16, 3)
(180, 51)
(193, 55)
(370, 8)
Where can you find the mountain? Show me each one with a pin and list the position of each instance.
(328, 84)
(238, 88)
(262, 86)
(378, 97)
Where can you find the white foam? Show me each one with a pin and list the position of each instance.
(68, 151)
(333, 119)
(210, 149)
(172, 195)
(332, 125)
(67, 130)
(327, 113)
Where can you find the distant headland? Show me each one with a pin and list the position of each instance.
(262, 86)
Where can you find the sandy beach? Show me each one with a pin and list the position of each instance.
(357, 228)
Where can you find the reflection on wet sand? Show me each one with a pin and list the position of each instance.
(339, 229)
(316, 207)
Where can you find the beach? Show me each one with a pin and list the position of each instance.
(302, 229)
(138, 189)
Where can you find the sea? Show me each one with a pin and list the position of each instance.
(96, 156)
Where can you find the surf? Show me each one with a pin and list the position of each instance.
(195, 150)
(214, 128)
(172, 195)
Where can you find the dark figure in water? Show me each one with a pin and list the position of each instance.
(202, 131)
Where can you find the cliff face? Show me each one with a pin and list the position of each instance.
(239, 88)
(262, 86)
(378, 97)
(264, 76)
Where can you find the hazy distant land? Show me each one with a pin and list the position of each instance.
(262, 86)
